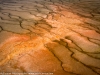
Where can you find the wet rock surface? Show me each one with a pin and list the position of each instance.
(54, 37)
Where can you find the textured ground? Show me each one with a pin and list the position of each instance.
(50, 37)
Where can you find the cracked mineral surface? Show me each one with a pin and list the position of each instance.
(50, 37)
